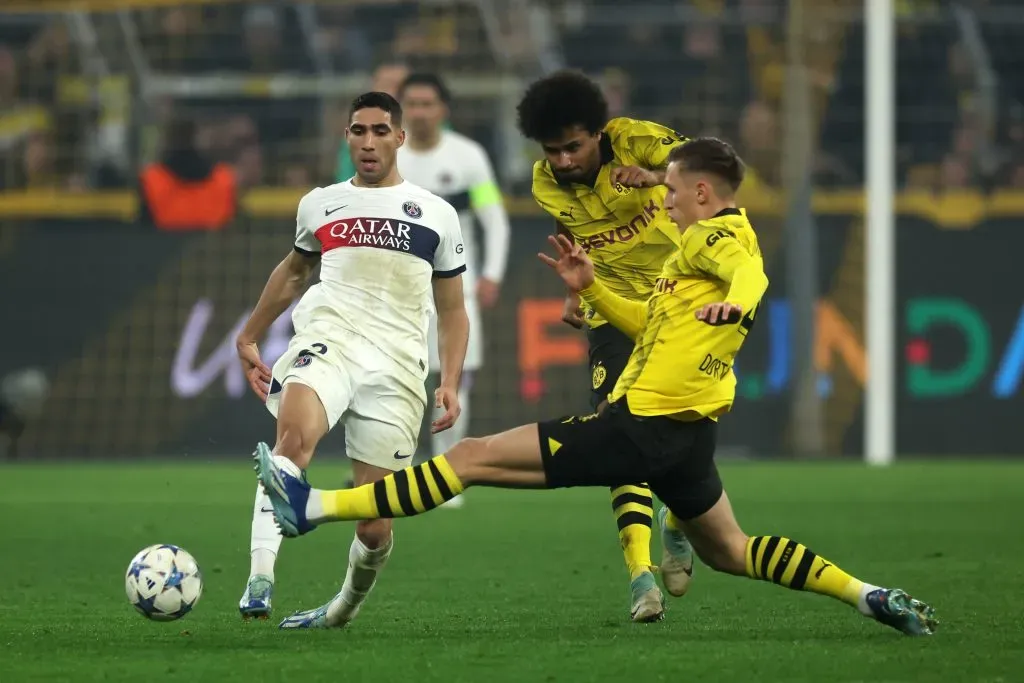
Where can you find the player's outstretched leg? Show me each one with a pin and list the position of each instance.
(719, 542)
(511, 459)
(633, 508)
(299, 508)
(265, 541)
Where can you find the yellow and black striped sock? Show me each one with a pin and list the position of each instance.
(793, 565)
(407, 492)
(634, 512)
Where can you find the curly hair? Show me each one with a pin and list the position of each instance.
(559, 101)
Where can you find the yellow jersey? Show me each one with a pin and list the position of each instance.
(681, 366)
(625, 230)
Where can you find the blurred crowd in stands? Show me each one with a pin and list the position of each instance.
(72, 115)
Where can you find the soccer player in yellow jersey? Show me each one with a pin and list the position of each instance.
(661, 420)
(602, 182)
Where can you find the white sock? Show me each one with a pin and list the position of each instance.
(862, 600)
(314, 505)
(265, 539)
(363, 566)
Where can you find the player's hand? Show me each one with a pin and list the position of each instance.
(256, 372)
(572, 312)
(447, 398)
(720, 314)
(634, 176)
(572, 265)
(487, 292)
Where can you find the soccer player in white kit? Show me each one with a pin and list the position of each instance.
(457, 168)
(389, 252)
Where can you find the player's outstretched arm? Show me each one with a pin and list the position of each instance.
(628, 316)
(452, 340)
(572, 311)
(286, 282)
(577, 272)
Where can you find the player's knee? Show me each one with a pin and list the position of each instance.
(293, 444)
(467, 457)
(726, 554)
(374, 533)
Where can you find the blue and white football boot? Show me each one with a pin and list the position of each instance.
(893, 607)
(255, 602)
(310, 618)
(288, 493)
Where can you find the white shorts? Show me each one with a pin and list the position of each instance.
(378, 400)
(475, 349)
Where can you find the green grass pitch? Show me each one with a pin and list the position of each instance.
(516, 586)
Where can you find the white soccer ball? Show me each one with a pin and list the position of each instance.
(163, 582)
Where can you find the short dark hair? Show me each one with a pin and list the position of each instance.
(429, 79)
(561, 100)
(710, 155)
(377, 100)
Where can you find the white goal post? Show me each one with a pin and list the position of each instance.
(880, 257)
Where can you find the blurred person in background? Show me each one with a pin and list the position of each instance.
(22, 395)
(37, 166)
(20, 121)
(456, 168)
(185, 190)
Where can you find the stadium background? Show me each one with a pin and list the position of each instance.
(134, 325)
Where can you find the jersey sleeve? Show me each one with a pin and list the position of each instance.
(483, 188)
(488, 204)
(628, 316)
(450, 257)
(715, 251)
(650, 143)
(306, 226)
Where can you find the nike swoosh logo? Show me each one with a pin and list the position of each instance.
(266, 509)
(328, 212)
(399, 456)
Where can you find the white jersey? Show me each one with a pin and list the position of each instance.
(454, 169)
(380, 248)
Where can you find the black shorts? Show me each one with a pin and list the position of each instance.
(609, 351)
(616, 447)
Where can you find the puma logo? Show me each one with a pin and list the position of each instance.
(824, 566)
(567, 214)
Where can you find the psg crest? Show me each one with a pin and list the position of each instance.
(302, 361)
(412, 209)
